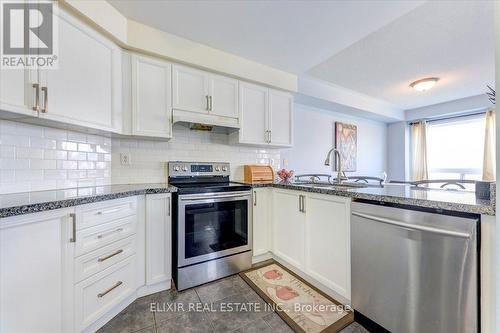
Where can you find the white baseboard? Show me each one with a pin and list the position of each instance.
(262, 257)
(313, 281)
(110, 314)
(141, 291)
(155, 288)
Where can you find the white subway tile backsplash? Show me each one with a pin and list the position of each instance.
(66, 145)
(67, 165)
(36, 158)
(31, 153)
(149, 158)
(55, 154)
(43, 143)
(77, 156)
(7, 152)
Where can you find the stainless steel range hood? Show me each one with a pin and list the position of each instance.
(180, 116)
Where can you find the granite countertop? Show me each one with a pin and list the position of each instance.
(37, 201)
(452, 200)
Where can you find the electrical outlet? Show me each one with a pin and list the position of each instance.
(125, 158)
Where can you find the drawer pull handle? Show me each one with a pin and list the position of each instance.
(119, 283)
(73, 227)
(104, 212)
(109, 256)
(111, 232)
(36, 103)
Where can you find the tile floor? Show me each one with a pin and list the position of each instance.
(212, 317)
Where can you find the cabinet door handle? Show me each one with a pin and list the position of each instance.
(109, 211)
(36, 102)
(208, 103)
(109, 233)
(45, 91)
(119, 283)
(300, 203)
(110, 256)
(211, 105)
(73, 226)
(254, 198)
(270, 136)
(169, 206)
(303, 203)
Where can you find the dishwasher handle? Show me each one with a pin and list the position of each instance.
(414, 226)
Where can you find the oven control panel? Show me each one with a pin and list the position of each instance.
(179, 168)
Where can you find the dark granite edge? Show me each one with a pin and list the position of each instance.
(66, 203)
(486, 208)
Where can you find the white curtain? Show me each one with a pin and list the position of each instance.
(489, 164)
(419, 151)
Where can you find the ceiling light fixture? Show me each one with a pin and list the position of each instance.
(424, 84)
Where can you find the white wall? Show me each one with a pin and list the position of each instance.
(398, 151)
(451, 108)
(314, 136)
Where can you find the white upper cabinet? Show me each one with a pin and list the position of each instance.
(281, 118)
(266, 116)
(223, 99)
(85, 90)
(254, 108)
(190, 89)
(151, 97)
(18, 91)
(203, 97)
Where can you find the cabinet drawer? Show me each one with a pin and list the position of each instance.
(102, 258)
(103, 212)
(90, 239)
(100, 293)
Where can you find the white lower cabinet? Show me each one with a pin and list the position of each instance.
(97, 295)
(288, 226)
(158, 239)
(35, 253)
(311, 232)
(73, 269)
(262, 227)
(327, 241)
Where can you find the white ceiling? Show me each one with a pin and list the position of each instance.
(451, 40)
(373, 47)
(290, 35)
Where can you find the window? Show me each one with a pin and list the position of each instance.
(455, 148)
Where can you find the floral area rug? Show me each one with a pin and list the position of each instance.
(303, 307)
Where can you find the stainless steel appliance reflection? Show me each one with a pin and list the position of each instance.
(415, 271)
(212, 223)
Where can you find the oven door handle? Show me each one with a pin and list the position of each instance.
(208, 196)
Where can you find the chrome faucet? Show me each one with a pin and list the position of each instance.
(340, 173)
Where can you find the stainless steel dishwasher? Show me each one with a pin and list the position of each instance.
(415, 271)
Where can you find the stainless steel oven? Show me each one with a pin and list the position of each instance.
(213, 224)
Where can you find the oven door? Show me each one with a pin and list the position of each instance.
(213, 225)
